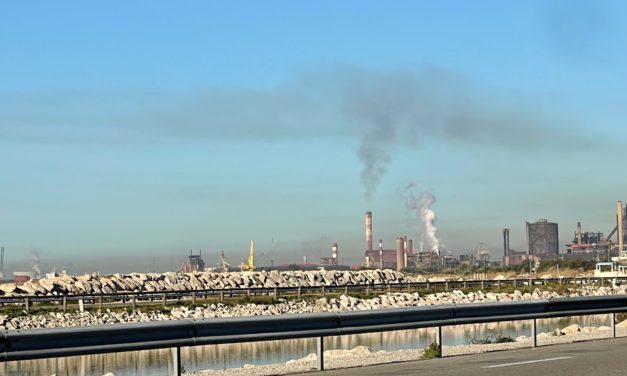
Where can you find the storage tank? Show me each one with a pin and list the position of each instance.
(542, 239)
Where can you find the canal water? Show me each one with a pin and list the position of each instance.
(159, 362)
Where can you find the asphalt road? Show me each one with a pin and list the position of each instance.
(604, 357)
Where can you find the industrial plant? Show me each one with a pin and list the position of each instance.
(402, 256)
(541, 243)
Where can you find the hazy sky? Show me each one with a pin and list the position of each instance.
(132, 132)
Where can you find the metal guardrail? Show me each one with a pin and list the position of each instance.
(48, 343)
(133, 297)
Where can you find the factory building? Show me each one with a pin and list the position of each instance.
(594, 245)
(195, 263)
(398, 258)
(588, 245)
(542, 239)
(333, 260)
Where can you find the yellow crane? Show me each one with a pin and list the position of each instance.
(250, 262)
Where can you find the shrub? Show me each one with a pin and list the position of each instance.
(432, 351)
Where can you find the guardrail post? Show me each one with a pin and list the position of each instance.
(165, 300)
(176, 361)
(320, 352)
(276, 292)
(368, 289)
(409, 287)
(100, 302)
(64, 303)
(438, 340)
(193, 297)
(134, 304)
(323, 289)
(613, 323)
(446, 286)
(482, 284)
(300, 291)
(248, 293)
(498, 284)
(389, 288)
(345, 290)
(221, 296)
(534, 338)
(515, 282)
(428, 285)
(465, 284)
(27, 304)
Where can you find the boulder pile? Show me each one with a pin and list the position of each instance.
(342, 303)
(170, 281)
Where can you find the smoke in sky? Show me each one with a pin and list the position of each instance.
(374, 111)
(421, 207)
(34, 257)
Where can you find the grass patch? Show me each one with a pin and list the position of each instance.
(492, 337)
(432, 351)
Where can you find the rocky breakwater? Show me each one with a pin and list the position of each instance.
(343, 303)
(155, 282)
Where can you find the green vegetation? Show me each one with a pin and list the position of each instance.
(432, 351)
(492, 337)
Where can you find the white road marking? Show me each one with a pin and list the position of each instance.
(528, 362)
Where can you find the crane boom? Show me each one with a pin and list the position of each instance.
(250, 262)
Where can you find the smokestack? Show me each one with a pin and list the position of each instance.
(410, 247)
(368, 231)
(400, 253)
(506, 242)
(579, 235)
(380, 254)
(405, 251)
(527, 238)
(334, 253)
(619, 227)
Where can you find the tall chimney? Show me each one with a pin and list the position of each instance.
(405, 251)
(579, 235)
(400, 253)
(506, 242)
(334, 253)
(619, 227)
(368, 231)
(527, 242)
(380, 254)
(410, 247)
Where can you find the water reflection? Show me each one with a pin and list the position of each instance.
(159, 362)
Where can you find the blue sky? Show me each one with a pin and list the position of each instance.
(131, 133)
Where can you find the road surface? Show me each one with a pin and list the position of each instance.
(603, 357)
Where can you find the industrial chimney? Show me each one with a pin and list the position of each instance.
(619, 227)
(334, 253)
(506, 242)
(400, 253)
(368, 231)
(380, 254)
(579, 235)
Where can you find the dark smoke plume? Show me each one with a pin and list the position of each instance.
(382, 110)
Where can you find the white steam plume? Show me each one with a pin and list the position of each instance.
(34, 256)
(421, 206)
